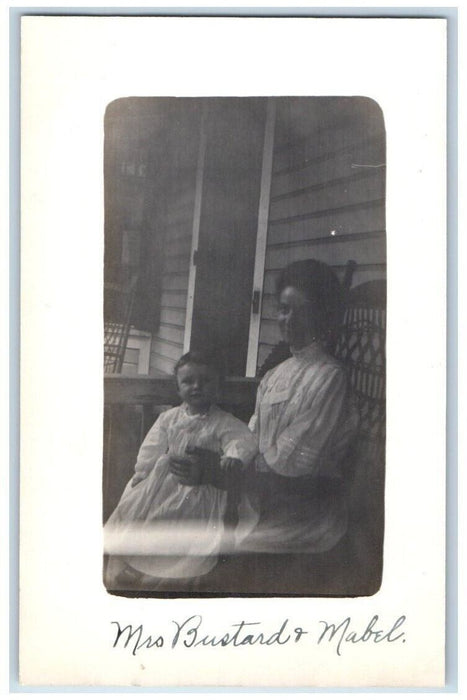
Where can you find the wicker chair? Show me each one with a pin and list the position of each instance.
(361, 346)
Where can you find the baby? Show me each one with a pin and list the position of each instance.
(180, 525)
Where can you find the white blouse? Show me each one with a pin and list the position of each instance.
(304, 420)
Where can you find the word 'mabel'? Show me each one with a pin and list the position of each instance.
(342, 633)
(192, 633)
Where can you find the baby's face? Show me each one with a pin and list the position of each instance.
(198, 386)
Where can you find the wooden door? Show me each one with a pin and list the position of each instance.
(228, 224)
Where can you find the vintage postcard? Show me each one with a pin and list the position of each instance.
(233, 312)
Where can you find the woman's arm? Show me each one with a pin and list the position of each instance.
(291, 464)
(299, 448)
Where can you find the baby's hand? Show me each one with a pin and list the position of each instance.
(186, 469)
(139, 476)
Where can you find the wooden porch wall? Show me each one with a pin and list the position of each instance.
(177, 224)
(327, 202)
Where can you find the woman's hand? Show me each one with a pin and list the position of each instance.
(209, 463)
(198, 466)
(201, 466)
(187, 470)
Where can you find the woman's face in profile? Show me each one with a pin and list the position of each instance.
(295, 317)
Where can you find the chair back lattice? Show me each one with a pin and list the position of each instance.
(118, 306)
(361, 346)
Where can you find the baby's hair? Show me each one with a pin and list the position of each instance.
(200, 357)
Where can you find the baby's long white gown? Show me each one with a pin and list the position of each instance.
(161, 527)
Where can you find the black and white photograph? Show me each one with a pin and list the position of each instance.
(233, 353)
(244, 356)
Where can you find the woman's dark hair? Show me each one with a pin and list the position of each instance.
(319, 283)
(200, 357)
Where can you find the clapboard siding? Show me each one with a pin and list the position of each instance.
(363, 273)
(174, 299)
(350, 220)
(161, 363)
(329, 146)
(345, 191)
(368, 250)
(329, 238)
(310, 171)
(292, 190)
(171, 332)
(174, 316)
(366, 273)
(346, 209)
(327, 202)
(306, 177)
(177, 282)
(167, 345)
(166, 349)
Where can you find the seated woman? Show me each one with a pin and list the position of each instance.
(304, 421)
